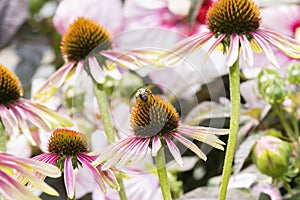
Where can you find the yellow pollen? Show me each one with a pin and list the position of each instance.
(233, 16)
(67, 142)
(83, 36)
(10, 86)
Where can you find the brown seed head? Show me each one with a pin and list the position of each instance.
(67, 142)
(233, 16)
(10, 86)
(83, 36)
(152, 116)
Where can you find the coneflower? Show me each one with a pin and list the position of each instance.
(88, 45)
(156, 124)
(15, 111)
(68, 150)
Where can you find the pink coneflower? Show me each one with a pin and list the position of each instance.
(68, 150)
(235, 26)
(87, 45)
(155, 124)
(15, 111)
(13, 189)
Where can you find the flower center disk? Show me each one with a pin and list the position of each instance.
(67, 142)
(10, 86)
(83, 36)
(152, 116)
(233, 16)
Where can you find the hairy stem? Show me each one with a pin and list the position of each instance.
(2, 138)
(162, 174)
(108, 128)
(234, 81)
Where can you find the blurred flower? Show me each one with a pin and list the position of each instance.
(271, 86)
(154, 124)
(86, 45)
(22, 168)
(271, 155)
(97, 10)
(235, 24)
(68, 150)
(180, 15)
(15, 111)
(293, 73)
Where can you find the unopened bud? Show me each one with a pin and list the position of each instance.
(271, 155)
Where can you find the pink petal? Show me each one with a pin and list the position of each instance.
(174, 150)
(13, 189)
(178, 53)
(53, 82)
(233, 51)
(95, 69)
(266, 48)
(246, 50)
(156, 145)
(9, 121)
(190, 145)
(69, 177)
(93, 170)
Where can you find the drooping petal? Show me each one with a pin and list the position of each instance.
(93, 170)
(214, 45)
(23, 125)
(178, 53)
(41, 167)
(246, 50)
(141, 152)
(233, 51)
(189, 145)
(40, 184)
(174, 150)
(95, 69)
(133, 59)
(110, 151)
(12, 189)
(9, 121)
(289, 46)
(47, 90)
(54, 119)
(266, 48)
(203, 134)
(69, 177)
(156, 145)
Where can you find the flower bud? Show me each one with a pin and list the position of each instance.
(271, 86)
(271, 155)
(293, 73)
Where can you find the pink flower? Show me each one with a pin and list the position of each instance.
(98, 10)
(68, 150)
(155, 124)
(87, 45)
(235, 27)
(15, 111)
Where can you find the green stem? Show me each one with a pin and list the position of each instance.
(2, 138)
(285, 124)
(235, 99)
(162, 174)
(108, 128)
(295, 124)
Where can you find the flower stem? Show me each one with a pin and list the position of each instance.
(2, 138)
(285, 124)
(108, 128)
(235, 99)
(162, 174)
